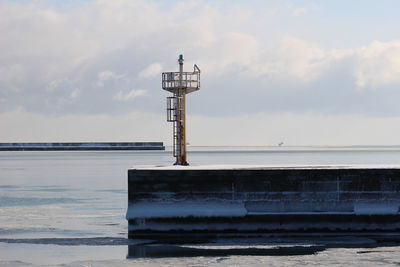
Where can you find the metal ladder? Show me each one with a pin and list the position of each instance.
(174, 114)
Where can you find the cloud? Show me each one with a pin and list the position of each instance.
(378, 64)
(53, 85)
(228, 52)
(130, 95)
(87, 59)
(300, 11)
(293, 58)
(75, 93)
(105, 76)
(151, 71)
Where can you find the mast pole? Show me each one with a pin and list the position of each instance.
(181, 157)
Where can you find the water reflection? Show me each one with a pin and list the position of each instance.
(165, 251)
(280, 245)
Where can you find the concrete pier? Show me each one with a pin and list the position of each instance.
(81, 146)
(245, 200)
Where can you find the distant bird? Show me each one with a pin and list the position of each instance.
(280, 144)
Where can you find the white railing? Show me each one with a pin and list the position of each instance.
(171, 80)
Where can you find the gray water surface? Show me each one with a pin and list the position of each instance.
(68, 208)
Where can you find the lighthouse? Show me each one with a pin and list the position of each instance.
(179, 84)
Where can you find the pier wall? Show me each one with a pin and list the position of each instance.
(245, 200)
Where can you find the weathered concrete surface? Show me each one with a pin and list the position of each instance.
(82, 146)
(263, 199)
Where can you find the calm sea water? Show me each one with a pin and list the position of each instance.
(68, 209)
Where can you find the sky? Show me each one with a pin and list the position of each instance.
(298, 72)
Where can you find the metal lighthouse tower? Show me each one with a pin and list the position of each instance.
(179, 83)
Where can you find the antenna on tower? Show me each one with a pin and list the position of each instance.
(179, 84)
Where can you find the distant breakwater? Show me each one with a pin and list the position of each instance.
(82, 146)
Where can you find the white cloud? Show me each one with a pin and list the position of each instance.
(378, 64)
(41, 43)
(120, 96)
(229, 51)
(11, 74)
(104, 48)
(75, 93)
(151, 71)
(105, 76)
(300, 11)
(55, 85)
(295, 59)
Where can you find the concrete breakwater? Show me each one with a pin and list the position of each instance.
(81, 146)
(239, 200)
